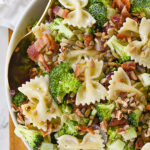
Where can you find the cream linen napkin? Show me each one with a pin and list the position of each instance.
(11, 11)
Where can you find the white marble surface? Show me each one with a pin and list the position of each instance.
(4, 116)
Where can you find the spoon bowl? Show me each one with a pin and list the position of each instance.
(21, 42)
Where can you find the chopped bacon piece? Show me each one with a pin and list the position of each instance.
(120, 130)
(115, 122)
(87, 39)
(139, 143)
(48, 131)
(148, 107)
(104, 125)
(34, 50)
(125, 12)
(129, 66)
(118, 20)
(122, 3)
(60, 12)
(77, 71)
(127, 4)
(84, 128)
(121, 36)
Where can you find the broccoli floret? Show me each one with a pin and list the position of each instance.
(99, 12)
(48, 146)
(129, 148)
(66, 109)
(69, 127)
(18, 99)
(118, 47)
(33, 137)
(113, 134)
(104, 111)
(117, 145)
(134, 117)
(129, 134)
(138, 6)
(63, 30)
(62, 82)
(105, 2)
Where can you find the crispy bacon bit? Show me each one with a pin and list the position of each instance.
(132, 75)
(77, 71)
(48, 131)
(139, 143)
(14, 107)
(120, 130)
(115, 122)
(118, 20)
(104, 125)
(125, 12)
(99, 45)
(121, 4)
(60, 12)
(122, 36)
(148, 107)
(129, 66)
(87, 39)
(79, 113)
(34, 50)
(84, 128)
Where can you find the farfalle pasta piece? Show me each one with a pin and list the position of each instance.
(40, 30)
(130, 28)
(74, 4)
(146, 146)
(121, 83)
(41, 107)
(91, 91)
(75, 56)
(79, 18)
(89, 142)
(140, 50)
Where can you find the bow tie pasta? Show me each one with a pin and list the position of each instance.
(146, 146)
(91, 91)
(41, 107)
(130, 28)
(74, 4)
(79, 18)
(140, 50)
(75, 56)
(90, 141)
(121, 83)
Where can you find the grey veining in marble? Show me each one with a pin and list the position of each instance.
(4, 115)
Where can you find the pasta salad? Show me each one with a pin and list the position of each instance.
(89, 87)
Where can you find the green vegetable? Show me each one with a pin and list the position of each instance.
(84, 121)
(138, 6)
(99, 12)
(129, 148)
(145, 79)
(33, 137)
(66, 109)
(111, 12)
(117, 145)
(134, 117)
(129, 134)
(63, 30)
(62, 82)
(105, 2)
(18, 99)
(69, 127)
(113, 133)
(104, 111)
(118, 47)
(48, 146)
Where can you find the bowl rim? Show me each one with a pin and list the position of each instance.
(15, 38)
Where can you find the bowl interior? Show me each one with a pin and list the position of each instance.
(33, 12)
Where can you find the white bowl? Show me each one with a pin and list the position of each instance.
(32, 14)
